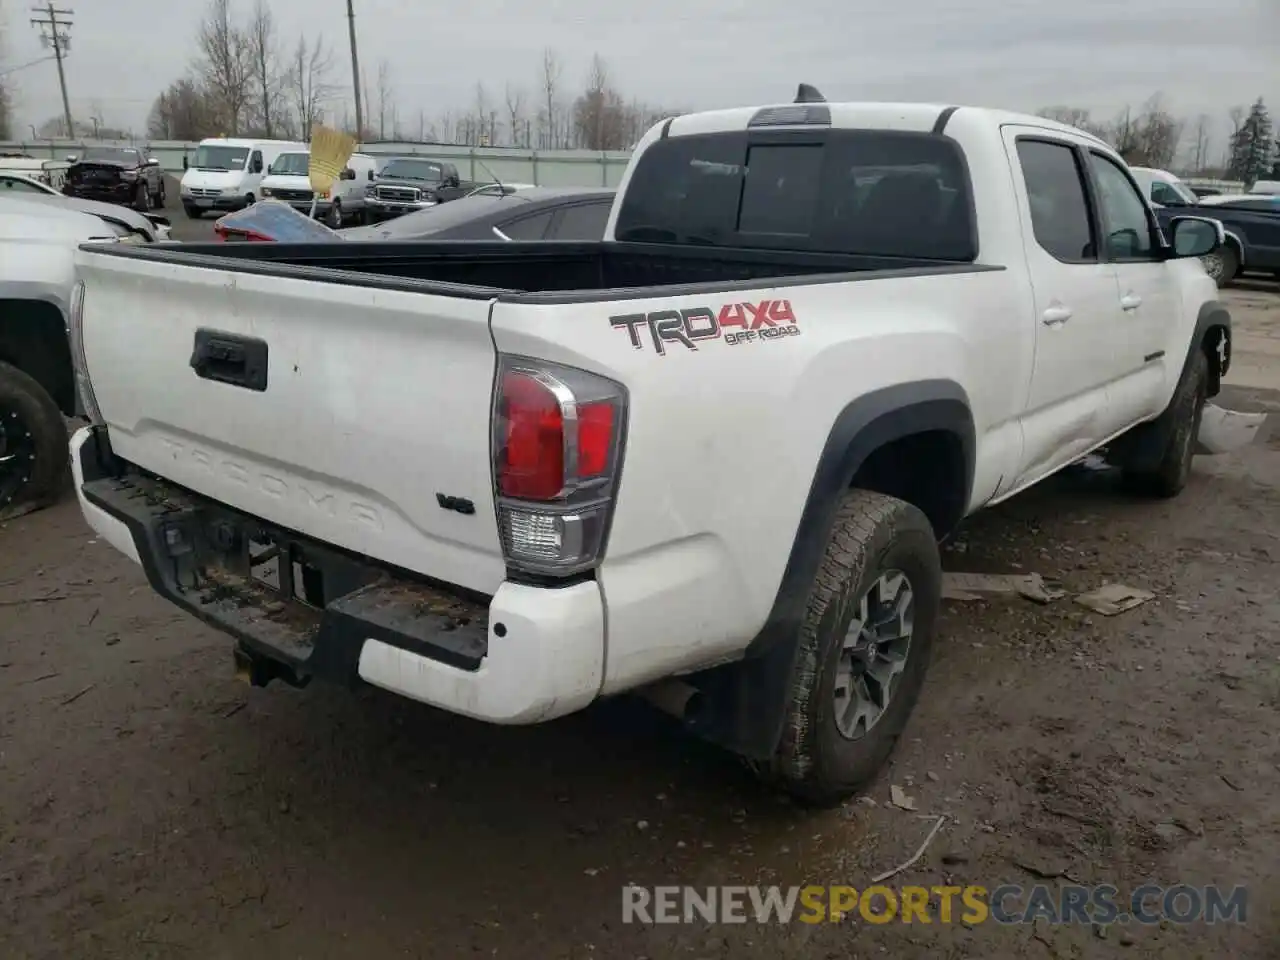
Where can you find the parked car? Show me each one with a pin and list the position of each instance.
(1251, 221)
(20, 184)
(53, 173)
(144, 227)
(408, 184)
(38, 237)
(708, 457)
(1266, 188)
(226, 174)
(538, 213)
(122, 175)
(287, 179)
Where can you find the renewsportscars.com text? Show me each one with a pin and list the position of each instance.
(970, 905)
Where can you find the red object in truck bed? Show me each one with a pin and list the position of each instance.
(269, 221)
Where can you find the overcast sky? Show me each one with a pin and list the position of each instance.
(1204, 55)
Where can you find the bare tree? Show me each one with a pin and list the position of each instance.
(1200, 143)
(225, 64)
(1074, 117)
(184, 111)
(515, 116)
(600, 119)
(386, 98)
(268, 85)
(309, 86)
(550, 90)
(478, 132)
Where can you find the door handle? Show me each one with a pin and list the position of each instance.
(1056, 315)
(1130, 301)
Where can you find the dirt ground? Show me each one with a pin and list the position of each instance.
(151, 806)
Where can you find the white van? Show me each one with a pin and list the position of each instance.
(226, 174)
(344, 204)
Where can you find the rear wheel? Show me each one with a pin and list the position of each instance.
(34, 463)
(159, 197)
(864, 646)
(334, 220)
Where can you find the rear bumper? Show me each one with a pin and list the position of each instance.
(525, 655)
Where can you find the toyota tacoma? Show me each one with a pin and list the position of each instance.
(709, 458)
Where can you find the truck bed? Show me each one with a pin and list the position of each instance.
(536, 271)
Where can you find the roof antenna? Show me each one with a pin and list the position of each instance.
(809, 94)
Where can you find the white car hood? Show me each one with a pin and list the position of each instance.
(212, 179)
(287, 181)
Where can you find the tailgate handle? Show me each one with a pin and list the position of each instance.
(230, 358)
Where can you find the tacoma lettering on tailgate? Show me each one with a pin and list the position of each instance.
(735, 323)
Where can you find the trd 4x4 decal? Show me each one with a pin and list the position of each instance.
(735, 323)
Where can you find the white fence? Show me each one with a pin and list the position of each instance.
(552, 168)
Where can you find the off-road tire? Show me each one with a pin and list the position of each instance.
(1173, 471)
(24, 401)
(873, 534)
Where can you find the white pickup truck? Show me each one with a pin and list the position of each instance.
(710, 458)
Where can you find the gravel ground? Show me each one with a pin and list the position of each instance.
(184, 228)
(151, 806)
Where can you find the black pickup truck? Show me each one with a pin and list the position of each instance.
(408, 184)
(122, 175)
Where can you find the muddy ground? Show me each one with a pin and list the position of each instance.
(151, 806)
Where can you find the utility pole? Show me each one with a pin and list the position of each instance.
(55, 31)
(355, 69)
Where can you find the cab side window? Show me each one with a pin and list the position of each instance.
(1125, 215)
(1059, 202)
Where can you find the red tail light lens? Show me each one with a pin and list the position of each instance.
(595, 438)
(531, 456)
(557, 448)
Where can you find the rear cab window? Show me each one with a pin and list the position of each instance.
(1059, 201)
(873, 192)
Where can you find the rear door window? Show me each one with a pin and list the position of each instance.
(1058, 199)
(879, 193)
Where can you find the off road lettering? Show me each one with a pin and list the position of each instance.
(734, 323)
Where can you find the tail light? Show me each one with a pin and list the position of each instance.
(226, 235)
(557, 452)
(79, 362)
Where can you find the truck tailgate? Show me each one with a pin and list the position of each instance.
(374, 402)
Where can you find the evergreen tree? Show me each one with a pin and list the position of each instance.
(1252, 146)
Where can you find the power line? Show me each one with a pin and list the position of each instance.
(55, 31)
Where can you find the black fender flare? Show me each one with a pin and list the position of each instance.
(1212, 317)
(747, 699)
